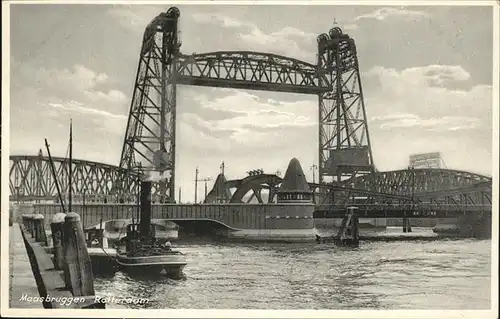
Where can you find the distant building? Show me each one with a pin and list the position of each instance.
(426, 160)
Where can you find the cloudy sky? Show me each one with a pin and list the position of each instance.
(426, 74)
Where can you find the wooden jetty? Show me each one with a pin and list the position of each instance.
(61, 276)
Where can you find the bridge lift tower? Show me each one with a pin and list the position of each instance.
(344, 142)
(149, 143)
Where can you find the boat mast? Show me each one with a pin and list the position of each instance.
(70, 177)
(54, 175)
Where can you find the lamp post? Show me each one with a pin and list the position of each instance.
(314, 167)
(196, 185)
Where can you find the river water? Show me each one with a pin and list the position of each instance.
(450, 274)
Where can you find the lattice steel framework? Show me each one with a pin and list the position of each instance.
(249, 70)
(344, 142)
(31, 178)
(430, 187)
(426, 180)
(149, 143)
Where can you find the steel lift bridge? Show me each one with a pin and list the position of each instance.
(346, 167)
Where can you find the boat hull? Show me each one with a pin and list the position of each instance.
(172, 264)
(103, 260)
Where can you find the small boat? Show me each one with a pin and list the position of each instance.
(114, 230)
(136, 248)
(143, 255)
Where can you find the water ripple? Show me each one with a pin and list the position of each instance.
(391, 275)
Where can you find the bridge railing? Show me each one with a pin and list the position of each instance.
(407, 207)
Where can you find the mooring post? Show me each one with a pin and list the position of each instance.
(57, 228)
(39, 229)
(354, 226)
(25, 220)
(31, 225)
(77, 266)
(406, 225)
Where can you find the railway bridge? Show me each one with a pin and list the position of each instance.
(347, 173)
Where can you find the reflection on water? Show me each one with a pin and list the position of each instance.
(454, 274)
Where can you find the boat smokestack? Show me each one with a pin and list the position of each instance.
(145, 222)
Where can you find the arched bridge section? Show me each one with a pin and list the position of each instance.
(430, 185)
(31, 179)
(433, 186)
(250, 70)
(408, 181)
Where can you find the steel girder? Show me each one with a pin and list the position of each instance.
(31, 179)
(250, 70)
(433, 186)
(467, 190)
(149, 143)
(254, 183)
(425, 180)
(344, 142)
(257, 183)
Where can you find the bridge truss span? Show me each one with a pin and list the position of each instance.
(453, 188)
(346, 166)
(250, 70)
(414, 181)
(31, 179)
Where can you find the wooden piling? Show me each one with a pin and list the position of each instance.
(406, 225)
(31, 225)
(39, 229)
(24, 219)
(349, 231)
(354, 226)
(77, 266)
(57, 228)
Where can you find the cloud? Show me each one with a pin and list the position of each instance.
(262, 128)
(426, 91)
(223, 21)
(288, 41)
(75, 83)
(253, 111)
(419, 109)
(434, 124)
(98, 110)
(385, 13)
(73, 106)
(437, 74)
(134, 18)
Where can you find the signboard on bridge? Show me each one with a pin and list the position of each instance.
(426, 160)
